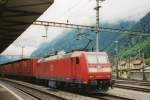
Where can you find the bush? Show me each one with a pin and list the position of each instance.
(147, 61)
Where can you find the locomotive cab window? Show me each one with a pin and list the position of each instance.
(77, 60)
(97, 59)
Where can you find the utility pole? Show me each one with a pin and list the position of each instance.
(22, 51)
(117, 66)
(129, 61)
(143, 65)
(97, 23)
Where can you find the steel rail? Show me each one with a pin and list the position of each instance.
(136, 88)
(133, 82)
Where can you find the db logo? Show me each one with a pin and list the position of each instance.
(52, 68)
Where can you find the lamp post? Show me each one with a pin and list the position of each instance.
(117, 51)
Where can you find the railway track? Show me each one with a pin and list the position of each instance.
(143, 86)
(133, 82)
(44, 93)
(105, 96)
(102, 96)
(132, 87)
(98, 95)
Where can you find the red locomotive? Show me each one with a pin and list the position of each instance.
(90, 70)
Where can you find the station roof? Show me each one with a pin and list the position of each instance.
(16, 16)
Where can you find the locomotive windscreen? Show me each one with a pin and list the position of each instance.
(97, 59)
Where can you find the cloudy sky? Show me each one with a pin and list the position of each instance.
(77, 12)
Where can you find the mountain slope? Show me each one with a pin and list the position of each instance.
(139, 43)
(3, 59)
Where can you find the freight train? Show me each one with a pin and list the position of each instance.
(87, 70)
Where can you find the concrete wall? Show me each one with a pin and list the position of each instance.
(136, 75)
(139, 76)
(147, 75)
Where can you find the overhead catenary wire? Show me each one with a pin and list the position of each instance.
(91, 28)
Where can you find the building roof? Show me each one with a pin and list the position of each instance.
(122, 63)
(16, 16)
(137, 62)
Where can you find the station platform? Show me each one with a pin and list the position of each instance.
(6, 95)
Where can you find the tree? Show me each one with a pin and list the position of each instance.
(147, 61)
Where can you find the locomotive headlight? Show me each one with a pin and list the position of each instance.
(106, 69)
(99, 69)
(93, 69)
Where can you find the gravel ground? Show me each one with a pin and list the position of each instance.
(136, 95)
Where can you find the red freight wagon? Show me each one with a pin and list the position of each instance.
(86, 68)
(25, 67)
(4, 69)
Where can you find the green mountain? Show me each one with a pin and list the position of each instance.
(8, 58)
(137, 44)
(3, 59)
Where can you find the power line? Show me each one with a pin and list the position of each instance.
(91, 28)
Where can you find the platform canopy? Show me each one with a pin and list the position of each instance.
(16, 16)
